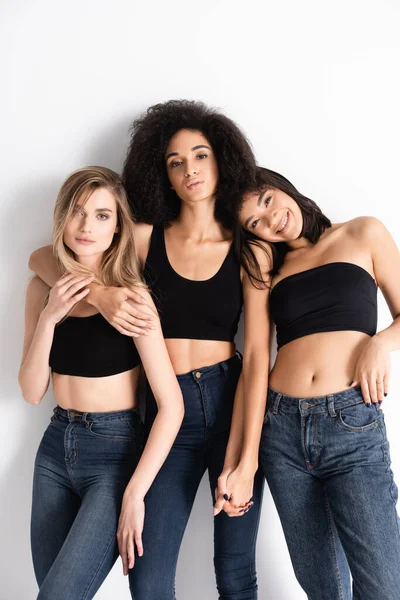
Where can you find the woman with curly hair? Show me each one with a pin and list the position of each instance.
(90, 459)
(324, 448)
(185, 165)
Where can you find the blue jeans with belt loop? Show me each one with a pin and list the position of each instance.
(208, 395)
(82, 467)
(327, 463)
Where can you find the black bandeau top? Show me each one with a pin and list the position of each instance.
(91, 347)
(338, 296)
(190, 309)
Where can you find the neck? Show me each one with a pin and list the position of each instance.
(90, 262)
(197, 220)
(299, 244)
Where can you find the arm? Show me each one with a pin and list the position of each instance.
(43, 263)
(163, 382)
(124, 309)
(250, 399)
(40, 321)
(373, 366)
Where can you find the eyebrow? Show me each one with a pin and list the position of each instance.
(260, 197)
(192, 150)
(79, 206)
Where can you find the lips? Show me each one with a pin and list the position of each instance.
(283, 223)
(195, 183)
(84, 241)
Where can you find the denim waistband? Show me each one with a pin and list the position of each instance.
(314, 405)
(71, 415)
(211, 370)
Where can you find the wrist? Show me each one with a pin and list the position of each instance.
(93, 295)
(46, 319)
(381, 342)
(247, 467)
(134, 494)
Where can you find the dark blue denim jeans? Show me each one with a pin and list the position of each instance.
(82, 467)
(327, 464)
(200, 445)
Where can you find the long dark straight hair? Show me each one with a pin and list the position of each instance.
(314, 224)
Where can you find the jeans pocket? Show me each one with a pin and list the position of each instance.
(358, 417)
(121, 429)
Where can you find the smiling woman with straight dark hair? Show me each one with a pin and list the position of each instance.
(324, 449)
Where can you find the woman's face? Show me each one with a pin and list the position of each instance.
(90, 230)
(191, 166)
(271, 215)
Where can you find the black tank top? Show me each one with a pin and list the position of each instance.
(189, 309)
(91, 347)
(338, 296)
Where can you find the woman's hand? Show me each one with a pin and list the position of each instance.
(64, 295)
(130, 529)
(234, 492)
(373, 371)
(124, 309)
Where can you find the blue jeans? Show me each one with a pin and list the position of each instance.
(327, 463)
(82, 467)
(200, 445)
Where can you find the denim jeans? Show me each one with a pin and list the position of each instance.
(82, 467)
(200, 445)
(327, 463)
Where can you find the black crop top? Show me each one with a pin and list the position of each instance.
(91, 347)
(190, 309)
(338, 296)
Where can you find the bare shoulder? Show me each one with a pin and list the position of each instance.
(366, 227)
(143, 233)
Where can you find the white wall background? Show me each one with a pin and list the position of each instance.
(315, 85)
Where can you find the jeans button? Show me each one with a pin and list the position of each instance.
(198, 374)
(304, 405)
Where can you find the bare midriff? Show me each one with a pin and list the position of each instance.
(188, 355)
(317, 364)
(97, 394)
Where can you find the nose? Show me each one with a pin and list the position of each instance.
(191, 169)
(273, 219)
(85, 224)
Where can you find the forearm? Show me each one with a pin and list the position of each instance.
(255, 388)
(162, 435)
(34, 373)
(235, 443)
(390, 336)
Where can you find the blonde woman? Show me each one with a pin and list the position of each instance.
(88, 463)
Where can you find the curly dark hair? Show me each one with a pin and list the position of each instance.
(145, 175)
(314, 224)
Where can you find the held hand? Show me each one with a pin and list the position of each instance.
(130, 528)
(64, 295)
(234, 492)
(373, 371)
(124, 309)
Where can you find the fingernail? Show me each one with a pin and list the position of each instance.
(226, 497)
(351, 383)
(385, 394)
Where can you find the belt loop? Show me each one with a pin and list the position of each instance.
(275, 404)
(239, 354)
(224, 366)
(331, 405)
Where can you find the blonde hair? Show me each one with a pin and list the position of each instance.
(119, 265)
